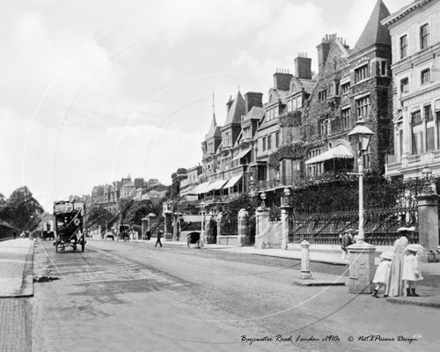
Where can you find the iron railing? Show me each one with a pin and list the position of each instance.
(380, 225)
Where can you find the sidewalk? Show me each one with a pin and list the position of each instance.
(428, 289)
(16, 268)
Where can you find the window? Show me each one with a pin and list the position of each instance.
(403, 46)
(428, 113)
(345, 115)
(277, 140)
(363, 107)
(361, 73)
(430, 139)
(299, 101)
(322, 95)
(264, 144)
(404, 85)
(269, 142)
(425, 76)
(424, 36)
(275, 112)
(383, 68)
(345, 88)
(289, 105)
(416, 118)
(211, 147)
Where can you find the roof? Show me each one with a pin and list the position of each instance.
(236, 111)
(255, 113)
(339, 152)
(214, 130)
(404, 11)
(374, 32)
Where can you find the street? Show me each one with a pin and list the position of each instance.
(127, 296)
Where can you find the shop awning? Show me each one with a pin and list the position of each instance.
(192, 218)
(187, 190)
(215, 185)
(232, 181)
(339, 152)
(199, 189)
(241, 154)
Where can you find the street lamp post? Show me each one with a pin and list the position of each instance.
(361, 253)
(361, 135)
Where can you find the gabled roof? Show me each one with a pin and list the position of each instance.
(255, 113)
(214, 130)
(374, 32)
(238, 109)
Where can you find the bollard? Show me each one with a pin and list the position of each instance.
(305, 261)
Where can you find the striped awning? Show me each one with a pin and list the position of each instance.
(199, 189)
(241, 154)
(192, 218)
(215, 185)
(232, 181)
(339, 152)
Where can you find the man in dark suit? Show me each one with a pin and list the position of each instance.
(347, 240)
(159, 235)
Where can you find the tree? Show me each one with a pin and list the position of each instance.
(22, 210)
(98, 216)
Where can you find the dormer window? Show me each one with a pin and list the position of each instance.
(322, 95)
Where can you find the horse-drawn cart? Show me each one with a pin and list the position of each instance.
(193, 238)
(69, 225)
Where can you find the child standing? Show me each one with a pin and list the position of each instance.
(411, 272)
(382, 272)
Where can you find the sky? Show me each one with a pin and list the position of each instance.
(93, 91)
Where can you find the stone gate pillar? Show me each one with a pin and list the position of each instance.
(428, 224)
(176, 227)
(286, 212)
(219, 226)
(144, 228)
(151, 221)
(243, 228)
(168, 229)
(262, 227)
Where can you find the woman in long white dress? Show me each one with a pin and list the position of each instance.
(396, 287)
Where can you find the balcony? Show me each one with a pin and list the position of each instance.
(283, 181)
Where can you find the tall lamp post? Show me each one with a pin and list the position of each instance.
(361, 136)
(361, 253)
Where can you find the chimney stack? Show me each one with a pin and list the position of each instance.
(281, 79)
(303, 66)
(252, 99)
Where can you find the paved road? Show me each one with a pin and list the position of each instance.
(119, 296)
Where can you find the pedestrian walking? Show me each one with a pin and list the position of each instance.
(395, 286)
(346, 240)
(382, 273)
(159, 235)
(411, 271)
(148, 234)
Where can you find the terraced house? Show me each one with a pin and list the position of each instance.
(415, 33)
(301, 132)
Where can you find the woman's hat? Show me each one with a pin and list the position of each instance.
(414, 248)
(387, 255)
(406, 229)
